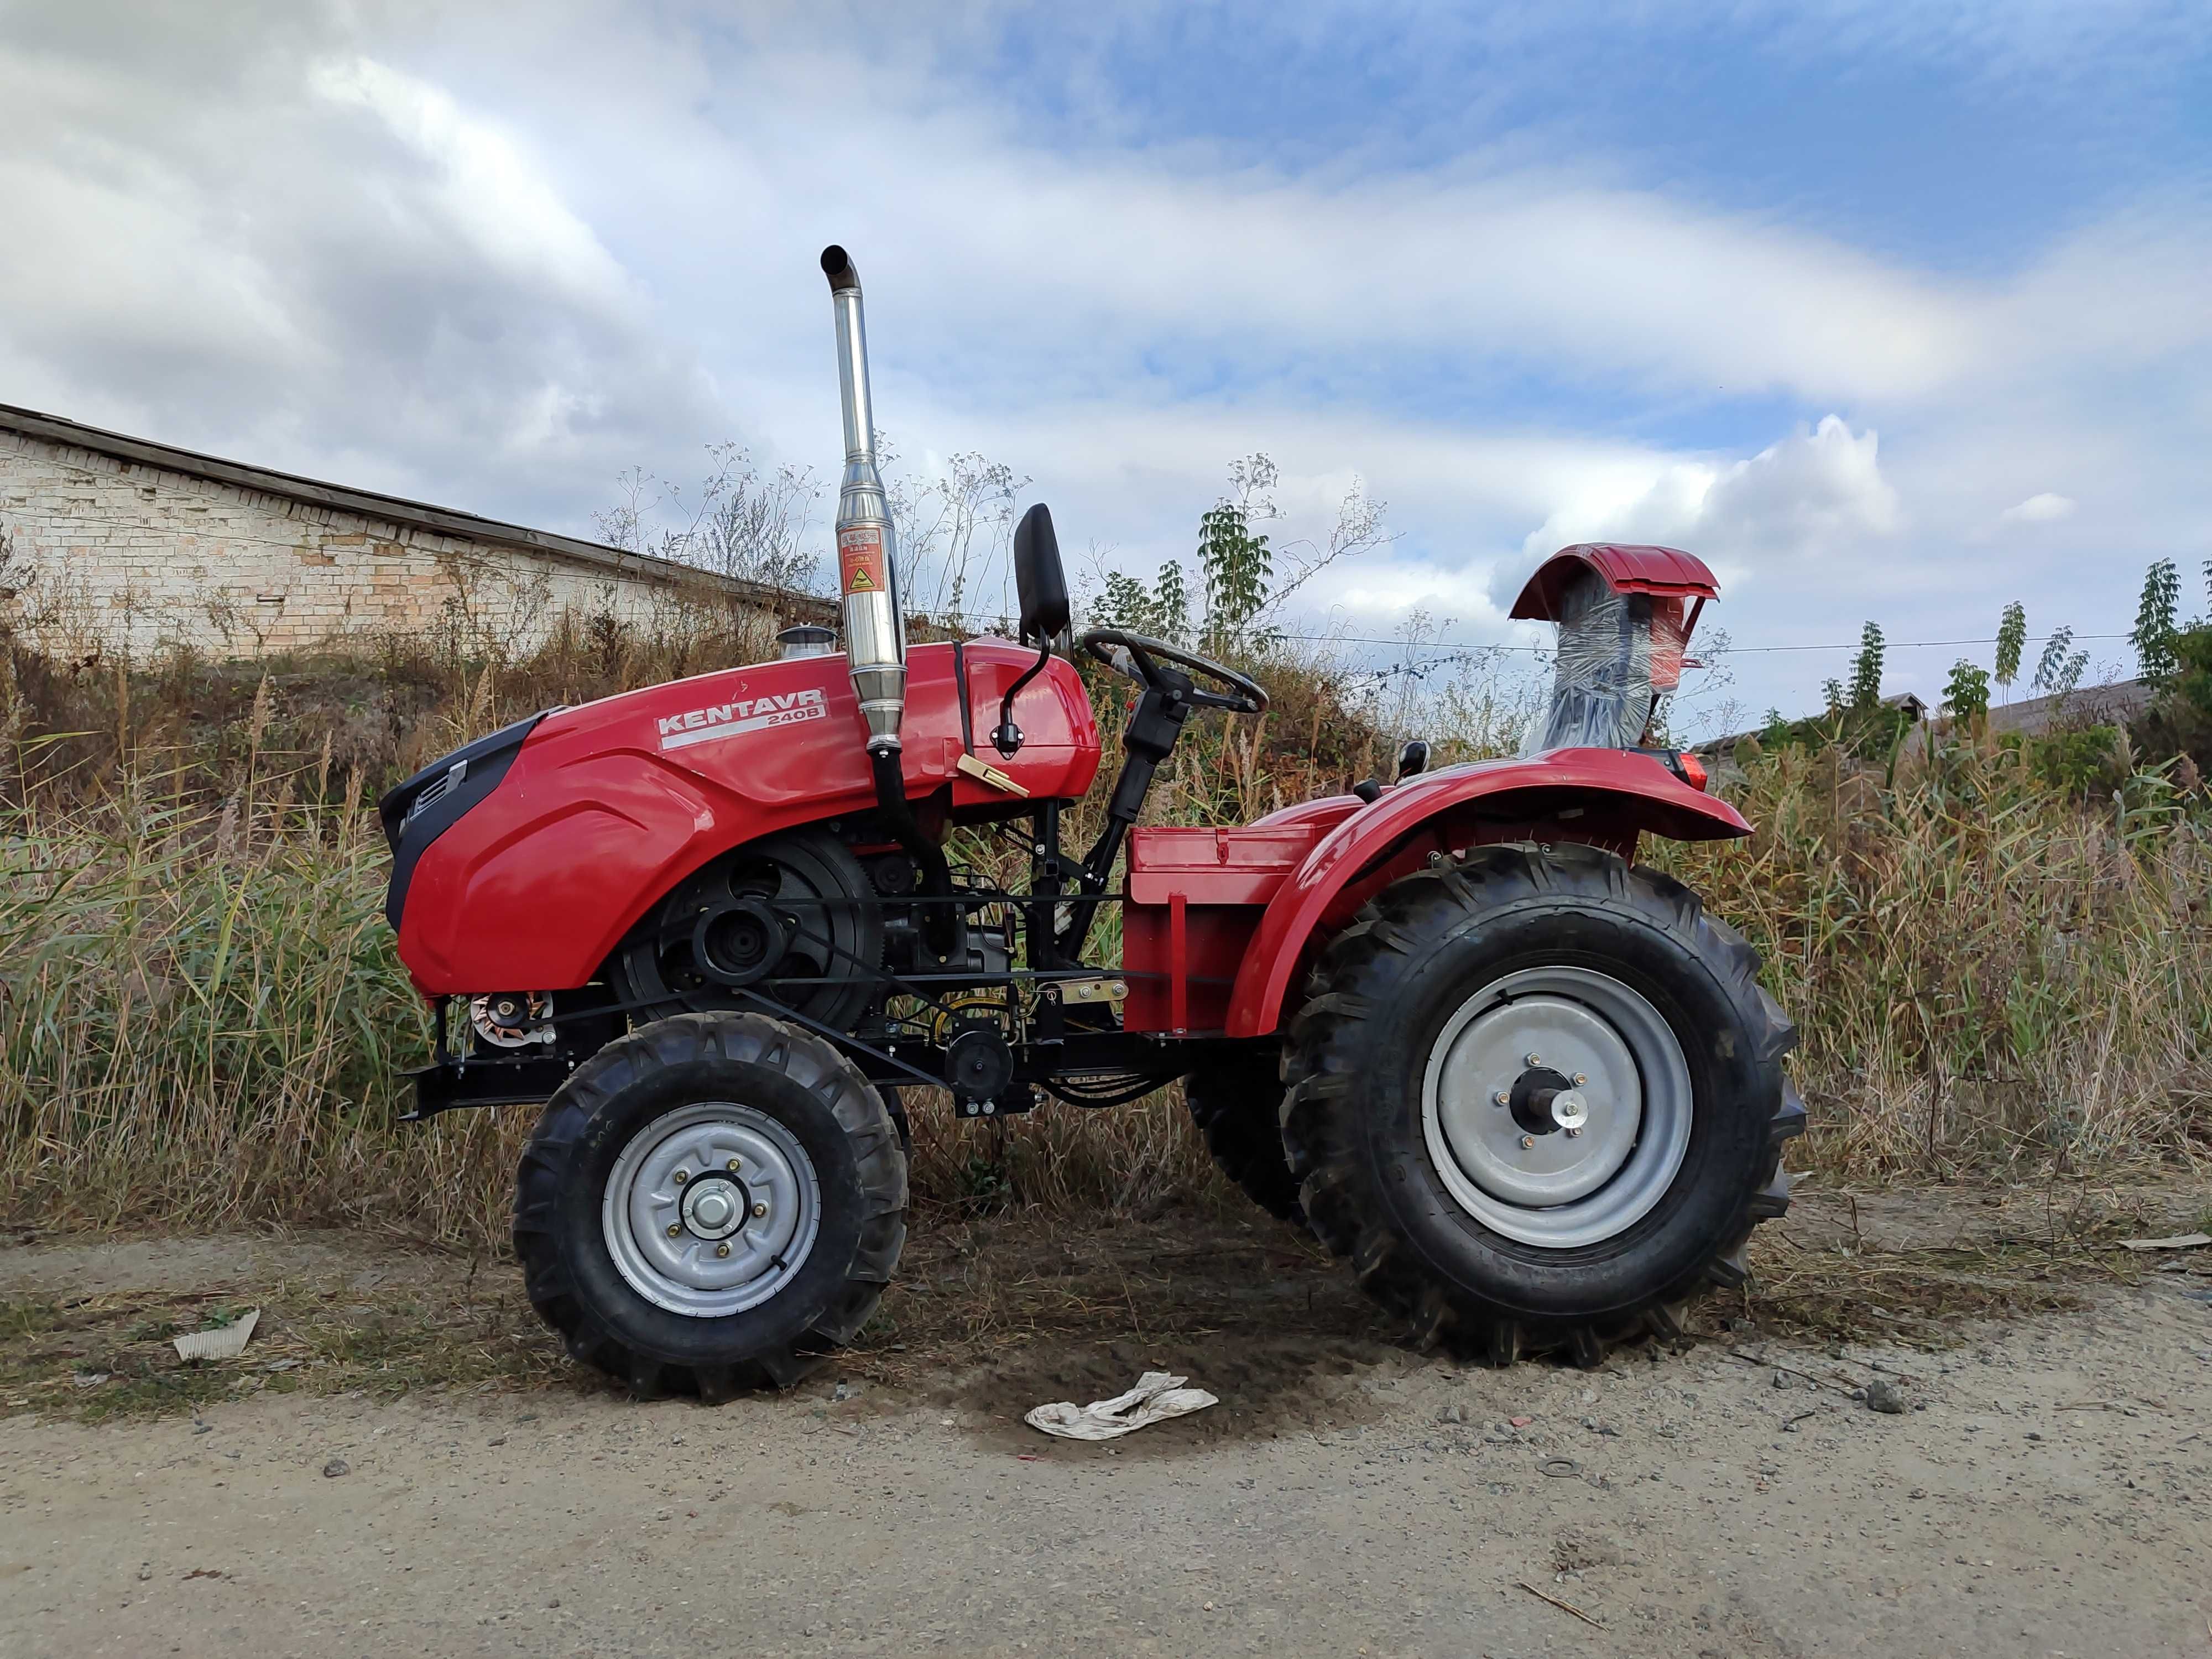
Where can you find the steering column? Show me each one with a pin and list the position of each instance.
(1171, 676)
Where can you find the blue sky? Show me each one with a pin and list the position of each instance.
(1889, 311)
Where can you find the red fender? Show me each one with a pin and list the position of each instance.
(1605, 797)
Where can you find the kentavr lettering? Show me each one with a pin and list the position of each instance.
(727, 720)
(742, 708)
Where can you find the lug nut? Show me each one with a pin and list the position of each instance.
(1572, 1134)
(1527, 1141)
(722, 1249)
(760, 1210)
(1534, 1059)
(1581, 1077)
(1501, 1098)
(733, 1165)
(675, 1229)
(681, 1177)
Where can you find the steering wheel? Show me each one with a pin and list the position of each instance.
(1140, 659)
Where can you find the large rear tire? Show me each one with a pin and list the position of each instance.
(1507, 1198)
(1239, 1110)
(712, 1202)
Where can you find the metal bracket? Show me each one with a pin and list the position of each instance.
(1015, 1099)
(452, 1084)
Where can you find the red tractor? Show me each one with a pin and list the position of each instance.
(1530, 1091)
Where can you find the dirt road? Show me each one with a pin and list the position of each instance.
(2046, 1489)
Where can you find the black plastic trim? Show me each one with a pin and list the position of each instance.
(435, 798)
(967, 714)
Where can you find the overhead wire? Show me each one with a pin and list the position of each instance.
(1417, 669)
(1449, 655)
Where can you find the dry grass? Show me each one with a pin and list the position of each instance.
(979, 1306)
(1919, 1266)
(207, 1025)
(1987, 976)
(204, 1018)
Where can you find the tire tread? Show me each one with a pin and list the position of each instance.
(745, 1038)
(1358, 971)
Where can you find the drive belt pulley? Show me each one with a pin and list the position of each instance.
(792, 918)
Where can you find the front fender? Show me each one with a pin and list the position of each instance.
(1607, 797)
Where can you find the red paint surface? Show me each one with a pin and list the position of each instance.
(596, 819)
(599, 816)
(1185, 988)
(1605, 797)
(1195, 895)
(1230, 866)
(1626, 569)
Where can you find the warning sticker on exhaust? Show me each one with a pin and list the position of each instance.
(730, 720)
(860, 560)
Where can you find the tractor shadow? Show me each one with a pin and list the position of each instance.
(989, 1317)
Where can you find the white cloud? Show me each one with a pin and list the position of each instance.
(489, 193)
(1820, 491)
(1383, 590)
(419, 249)
(307, 257)
(2046, 508)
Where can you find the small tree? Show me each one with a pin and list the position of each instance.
(1161, 613)
(1358, 530)
(1831, 691)
(1236, 565)
(2059, 669)
(741, 522)
(1866, 669)
(2012, 639)
(2152, 634)
(950, 527)
(2192, 679)
(1966, 693)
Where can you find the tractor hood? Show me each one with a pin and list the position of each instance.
(591, 814)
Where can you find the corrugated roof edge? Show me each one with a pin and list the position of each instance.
(445, 521)
(1626, 568)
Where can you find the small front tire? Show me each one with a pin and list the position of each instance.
(713, 1202)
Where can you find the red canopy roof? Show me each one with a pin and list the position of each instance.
(1663, 570)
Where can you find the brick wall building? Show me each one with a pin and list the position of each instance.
(127, 544)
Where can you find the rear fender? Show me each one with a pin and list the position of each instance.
(1603, 797)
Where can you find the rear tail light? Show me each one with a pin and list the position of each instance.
(1691, 768)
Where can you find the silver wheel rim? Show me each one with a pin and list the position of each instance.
(1629, 1106)
(711, 1210)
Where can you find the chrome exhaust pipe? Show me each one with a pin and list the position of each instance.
(875, 624)
(868, 572)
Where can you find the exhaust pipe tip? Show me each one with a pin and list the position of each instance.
(837, 266)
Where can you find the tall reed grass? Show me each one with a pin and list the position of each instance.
(205, 1023)
(202, 1021)
(1988, 973)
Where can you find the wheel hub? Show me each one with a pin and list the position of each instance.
(714, 1207)
(1544, 1103)
(711, 1209)
(1556, 1106)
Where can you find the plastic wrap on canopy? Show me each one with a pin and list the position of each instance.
(1619, 655)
